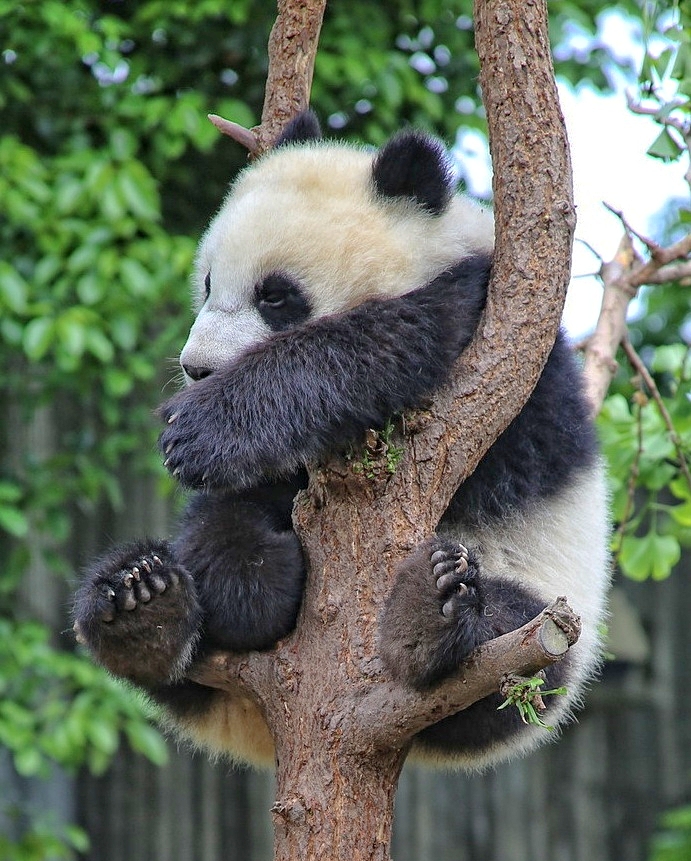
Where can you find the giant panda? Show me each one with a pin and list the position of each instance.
(335, 288)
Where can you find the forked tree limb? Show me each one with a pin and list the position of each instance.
(524, 652)
(323, 690)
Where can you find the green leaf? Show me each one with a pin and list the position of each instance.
(71, 334)
(669, 358)
(135, 277)
(665, 147)
(28, 761)
(90, 288)
(681, 514)
(117, 382)
(103, 736)
(10, 492)
(651, 555)
(139, 192)
(13, 289)
(13, 521)
(123, 144)
(148, 741)
(98, 345)
(38, 337)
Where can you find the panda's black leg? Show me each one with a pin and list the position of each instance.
(137, 612)
(433, 617)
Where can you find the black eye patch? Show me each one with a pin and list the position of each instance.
(207, 286)
(281, 301)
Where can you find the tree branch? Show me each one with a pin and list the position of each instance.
(639, 366)
(622, 277)
(292, 51)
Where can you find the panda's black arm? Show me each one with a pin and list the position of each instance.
(311, 389)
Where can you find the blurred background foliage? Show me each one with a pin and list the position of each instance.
(108, 171)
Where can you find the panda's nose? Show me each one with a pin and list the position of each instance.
(195, 373)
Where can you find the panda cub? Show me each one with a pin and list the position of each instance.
(335, 287)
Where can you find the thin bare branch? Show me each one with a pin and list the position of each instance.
(650, 244)
(622, 277)
(639, 366)
(292, 51)
(601, 348)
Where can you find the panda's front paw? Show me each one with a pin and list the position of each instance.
(196, 435)
(137, 612)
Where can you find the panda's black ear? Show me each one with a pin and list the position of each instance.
(301, 129)
(414, 165)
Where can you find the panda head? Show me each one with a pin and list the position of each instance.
(315, 228)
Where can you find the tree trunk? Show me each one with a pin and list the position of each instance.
(341, 726)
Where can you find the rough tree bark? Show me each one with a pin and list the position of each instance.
(342, 727)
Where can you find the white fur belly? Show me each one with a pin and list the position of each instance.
(233, 728)
(559, 547)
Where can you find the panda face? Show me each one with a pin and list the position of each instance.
(305, 232)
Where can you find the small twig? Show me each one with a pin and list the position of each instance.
(639, 366)
(650, 244)
(237, 132)
(678, 251)
(680, 272)
(622, 276)
(655, 111)
(590, 248)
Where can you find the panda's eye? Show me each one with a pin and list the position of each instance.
(207, 286)
(273, 300)
(281, 302)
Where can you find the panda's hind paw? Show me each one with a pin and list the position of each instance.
(455, 577)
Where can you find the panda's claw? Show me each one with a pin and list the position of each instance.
(461, 564)
(157, 584)
(137, 583)
(143, 594)
(448, 609)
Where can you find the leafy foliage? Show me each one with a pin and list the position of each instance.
(526, 695)
(672, 842)
(646, 426)
(645, 452)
